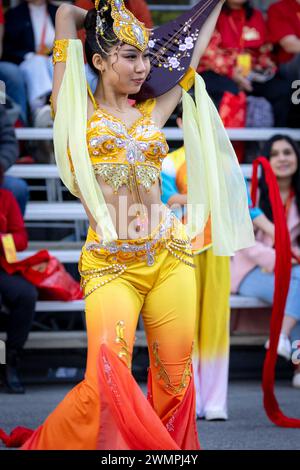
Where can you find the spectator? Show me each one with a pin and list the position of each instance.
(17, 294)
(28, 40)
(252, 269)
(284, 31)
(238, 58)
(10, 75)
(8, 155)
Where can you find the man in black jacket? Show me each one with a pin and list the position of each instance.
(9, 151)
(19, 36)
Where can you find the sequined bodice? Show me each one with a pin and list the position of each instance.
(119, 154)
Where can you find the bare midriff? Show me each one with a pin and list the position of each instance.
(123, 206)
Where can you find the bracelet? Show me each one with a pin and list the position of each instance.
(60, 49)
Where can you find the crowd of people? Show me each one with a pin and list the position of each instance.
(253, 57)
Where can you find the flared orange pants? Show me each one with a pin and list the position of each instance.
(107, 410)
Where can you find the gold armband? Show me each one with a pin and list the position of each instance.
(60, 49)
(188, 80)
(52, 108)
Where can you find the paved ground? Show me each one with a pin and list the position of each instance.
(247, 428)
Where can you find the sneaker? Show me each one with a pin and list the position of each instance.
(284, 347)
(216, 415)
(42, 117)
(296, 380)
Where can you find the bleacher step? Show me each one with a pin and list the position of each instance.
(54, 245)
(78, 340)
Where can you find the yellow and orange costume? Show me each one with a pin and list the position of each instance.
(153, 275)
(120, 279)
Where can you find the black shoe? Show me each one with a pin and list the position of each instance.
(12, 382)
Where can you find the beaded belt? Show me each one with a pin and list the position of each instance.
(145, 248)
(119, 253)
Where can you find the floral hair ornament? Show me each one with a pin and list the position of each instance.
(126, 26)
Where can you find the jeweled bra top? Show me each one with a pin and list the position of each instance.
(123, 156)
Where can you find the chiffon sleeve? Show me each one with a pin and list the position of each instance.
(216, 184)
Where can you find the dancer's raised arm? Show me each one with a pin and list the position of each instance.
(68, 20)
(167, 103)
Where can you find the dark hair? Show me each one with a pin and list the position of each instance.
(179, 110)
(264, 200)
(1, 174)
(247, 7)
(91, 43)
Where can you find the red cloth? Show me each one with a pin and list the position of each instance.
(283, 268)
(283, 20)
(11, 220)
(233, 109)
(1, 13)
(234, 34)
(233, 112)
(17, 437)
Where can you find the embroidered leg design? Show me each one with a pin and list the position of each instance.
(164, 376)
(124, 352)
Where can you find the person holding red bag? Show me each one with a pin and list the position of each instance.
(16, 293)
(238, 59)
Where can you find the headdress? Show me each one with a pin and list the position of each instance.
(126, 26)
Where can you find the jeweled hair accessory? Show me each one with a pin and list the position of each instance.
(126, 26)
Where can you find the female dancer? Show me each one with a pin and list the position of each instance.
(110, 155)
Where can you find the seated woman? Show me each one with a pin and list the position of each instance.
(252, 269)
(16, 293)
(238, 58)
